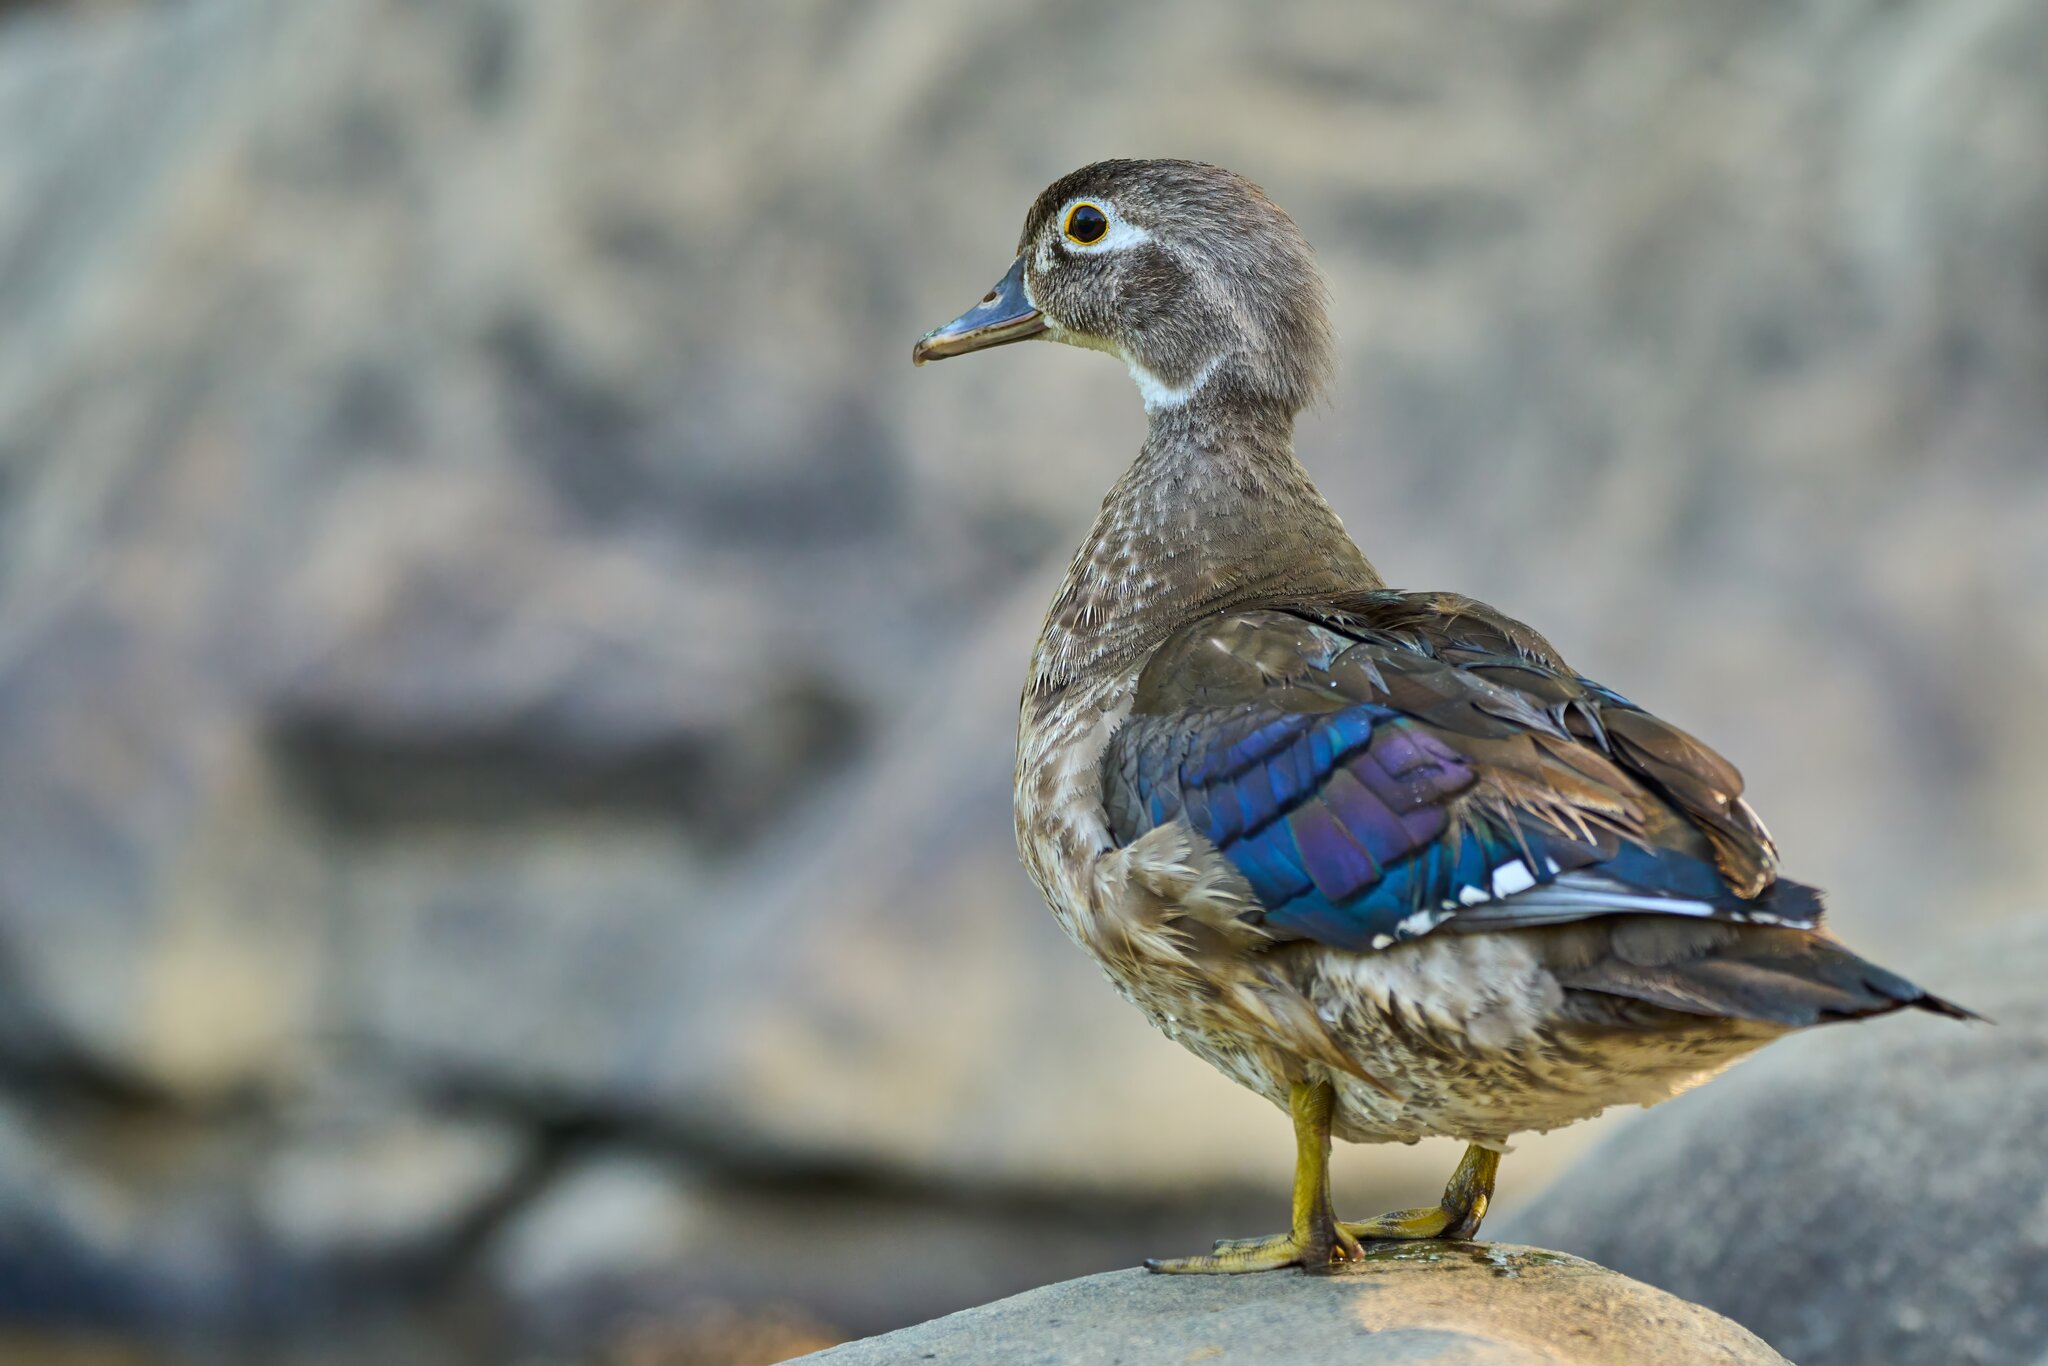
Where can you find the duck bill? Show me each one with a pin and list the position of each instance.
(1005, 315)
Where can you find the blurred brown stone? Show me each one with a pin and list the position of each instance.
(721, 1337)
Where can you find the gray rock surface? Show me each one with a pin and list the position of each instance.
(1886, 1186)
(1447, 1304)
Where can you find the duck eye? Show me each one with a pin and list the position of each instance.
(1086, 224)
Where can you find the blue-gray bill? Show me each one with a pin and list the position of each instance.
(1003, 316)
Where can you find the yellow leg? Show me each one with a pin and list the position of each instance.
(1315, 1238)
(1457, 1216)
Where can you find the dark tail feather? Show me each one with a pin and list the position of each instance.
(1773, 976)
(1794, 903)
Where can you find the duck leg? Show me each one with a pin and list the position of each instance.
(1456, 1216)
(1316, 1238)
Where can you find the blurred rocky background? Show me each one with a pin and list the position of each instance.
(506, 674)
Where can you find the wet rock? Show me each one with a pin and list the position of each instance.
(1886, 1185)
(1465, 1303)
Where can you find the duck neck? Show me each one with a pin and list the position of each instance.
(1215, 513)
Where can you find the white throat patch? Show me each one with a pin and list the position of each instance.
(1159, 395)
(1121, 235)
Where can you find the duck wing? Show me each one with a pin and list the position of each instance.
(1389, 764)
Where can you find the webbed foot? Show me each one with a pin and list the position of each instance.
(1318, 1250)
(1316, 1239)
(1457, 1216)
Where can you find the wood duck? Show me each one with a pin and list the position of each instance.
(1381, 856)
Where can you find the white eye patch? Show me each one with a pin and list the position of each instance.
(1120, 235)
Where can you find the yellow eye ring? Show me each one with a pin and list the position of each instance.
(1086, 223)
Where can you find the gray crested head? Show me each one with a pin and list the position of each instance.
(1186, 271)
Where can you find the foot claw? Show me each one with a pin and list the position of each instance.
(1345, 1248)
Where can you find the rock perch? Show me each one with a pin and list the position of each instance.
(1446, 1304)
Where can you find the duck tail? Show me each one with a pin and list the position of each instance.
(1789, 977)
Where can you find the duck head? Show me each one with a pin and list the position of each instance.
(1186, 271)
